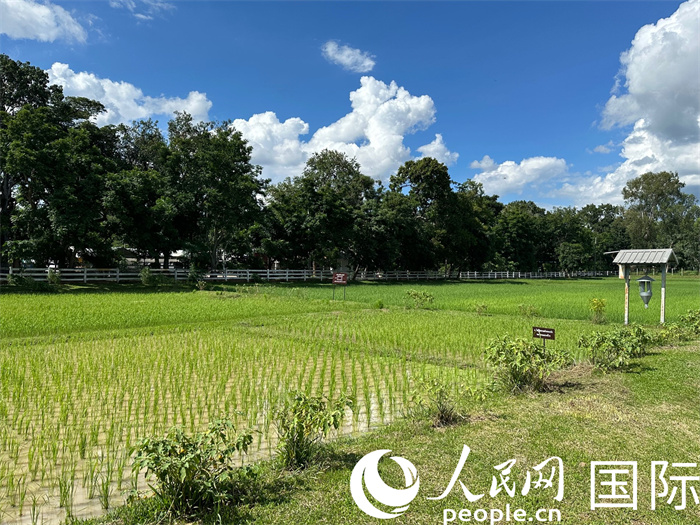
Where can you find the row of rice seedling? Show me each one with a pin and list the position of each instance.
(72, 409)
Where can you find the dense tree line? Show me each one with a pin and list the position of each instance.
(74, 193)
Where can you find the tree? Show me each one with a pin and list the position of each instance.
(520, 235)
(659, 213)
(318, 216)
(219, 192)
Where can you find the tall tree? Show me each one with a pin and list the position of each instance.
(318, 214)
(220, 192)
(659, 213)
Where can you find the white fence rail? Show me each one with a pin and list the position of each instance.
(87, 275)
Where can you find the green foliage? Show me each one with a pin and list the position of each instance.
(434, 399)
(197, 473)
(420, 298)
(53, 277)
(302, 422)
(148, 278)
(692, 321)
(597, 307)
(615, 349)
(378, 304)
(520, 365)
(29, 283)
(686, 329)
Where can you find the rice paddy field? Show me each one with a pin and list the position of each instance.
(86, 372)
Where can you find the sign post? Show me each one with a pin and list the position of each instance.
(543, 333)
(340, 278)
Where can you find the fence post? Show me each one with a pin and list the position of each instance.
(117, 275)
(175, 274)
(85, 275)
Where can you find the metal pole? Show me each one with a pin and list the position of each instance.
(663, 294)
(627, 294)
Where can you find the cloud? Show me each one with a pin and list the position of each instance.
(373, 133)
(657, 93)
(437, 150)
(511, 177)
(45, 22)
(142, 9)
(348, 58)
(124, 101)
(604, 148)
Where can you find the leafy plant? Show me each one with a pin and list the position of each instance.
(201, 285)
(302, 422)
(420, 298)
(435, 400)
(597, 307)
(614, 350)
(520, 365)
(53, 277)
(148, 278)
(196, 473)
(378, 304)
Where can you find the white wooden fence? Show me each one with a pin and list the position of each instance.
(87, 275)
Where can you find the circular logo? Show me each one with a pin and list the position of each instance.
(366, 475)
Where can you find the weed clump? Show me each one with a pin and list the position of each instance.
(420, 298)
(435, 400)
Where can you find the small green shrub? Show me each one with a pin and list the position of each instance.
(420, 298)
(597, 307)
(691, 320)
(201, 285)
(379, 304)
(197, 473)
(674, 333)
(148, 278)
(528, 310)
(29, 283)
(614, 350)
(521, 365)
(302, 422)
(433, 399)
(53, 277)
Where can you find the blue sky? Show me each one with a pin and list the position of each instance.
(557, 102)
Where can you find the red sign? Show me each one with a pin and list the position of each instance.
(340, 278)
(542, 333)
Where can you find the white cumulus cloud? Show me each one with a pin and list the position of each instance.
(657, 92)
(512, 177)
(124, 101)
(348, 58)
(437, 150)
(373, 133)
(45, 22)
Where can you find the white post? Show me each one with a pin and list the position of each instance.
(117, 274)
(84, 275)
(663, 294)
(627, 294)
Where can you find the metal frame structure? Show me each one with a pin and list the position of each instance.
(626, 259)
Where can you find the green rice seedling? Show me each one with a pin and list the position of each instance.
(66, 490)
(105, 489)
(34, 510)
